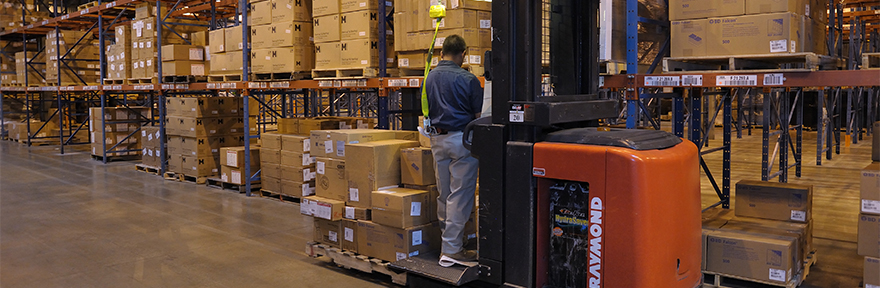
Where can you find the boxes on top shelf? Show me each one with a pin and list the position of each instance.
(701, 9)
(233, 38)
(291, 10)
(346, 6)
(327, 55)
(291, 33)
(325, 7)
(260, 13)
(326, 28)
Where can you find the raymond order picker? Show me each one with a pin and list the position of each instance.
(563, 203)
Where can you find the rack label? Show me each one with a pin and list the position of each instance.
(692, 80)
(774, 79)
(737, 80)
(662, 81)
(397, 82)
(414, 83)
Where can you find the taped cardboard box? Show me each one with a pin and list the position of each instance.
(755, 34)
(346, 6)
(199, 166)
(297, 189)
(233, 39)
(184, 68)
(323, 208)
(361, 25)
(302, 174)
(296, 159)
(689, 38)
(330, 179)
(233, 175)
(288, 126)
(761, 257)
(262, 37)
(307, 125)
(402, 207)
(291, 33)
(270, 141)
(270, 184)
(803, 232)
(870, 189)
(872, 272)
(699, 9)
(392, 244)
(182, 52)
(203, 107)
(349, 235)
(774, 201)
(296, 143)
(357, 213)
(869, 235)
(217, 41)
(292, 59)
(360, 53)
(326, 28)
(234, 157)
(325, 7)
(371, 166)
(260, 13)
(270, 169)
(270, 156)
(327, 55)
(202, 146)
(291, 10)
(417, 166)
(340, 138)
(328, 232)
(320, 143)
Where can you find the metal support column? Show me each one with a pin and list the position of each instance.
(632, 60)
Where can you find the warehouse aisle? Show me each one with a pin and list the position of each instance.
(68, 221)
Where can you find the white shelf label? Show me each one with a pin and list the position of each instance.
(737, 80)
(774, 79)
(662, 81)
(692, 80)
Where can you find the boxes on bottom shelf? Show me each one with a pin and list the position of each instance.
(297, 188)
(320, 207)
(401, 207)
(198, 166)
(870, 188)
(776, 201)
(763, 257)
(349, 235)
(392, 244)
(869, 235)
(327, 232)
(872, 272)
(234, 157)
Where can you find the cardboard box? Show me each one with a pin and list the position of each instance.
(764, 257)
(803, 232)
(392, 244)
(201, 146)
(288, 125)
(325, 7)
(417, 166)
(234, 157)
(469, 4)
(872, 272)
(291, 33)
(471, 37)
(349, 235)
(320, 140)
(412, 59)
(328, 232)
(183, 68)
(709, 226)
(698, 9)
(346, 6)
(261, 60)
(764, 7)
(330, 179)
(261, 37)
(267, 169)
(233, 175)
(869, 235)
(148, 9)
(775, 201)
(326, 28)
(270, 141)
(297, 189)
(296, 159)
(199, 127)
(340, 138)
(260, 13)
(291, 10)
(198, 166)
(359, 25)
(291, 59)
(307, 125)
(198, 107)
(323, 208)
(357, 213)
(296, 143)
(402, 208)
(459, 18)
(870, 187)
(755, 34)
(271, 184)
(371, 166)
(182, 52)
(361, 53)
(327, 55)
(199, 38)
(217, 41)
(689, 38)
(233, 39)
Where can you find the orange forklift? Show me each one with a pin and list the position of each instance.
(563, 202)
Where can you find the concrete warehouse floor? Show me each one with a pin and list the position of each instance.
(69, 221)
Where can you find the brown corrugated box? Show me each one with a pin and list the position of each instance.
(295, 159)
(260, 13)
(371, 166)
(870, 188)
(346, 6)
(201, 146)
(325, 7)
(296, 143)
(804, 232)
(340, 138)
(330, 179)
(270, 141)
(349, 235)
(357, 213)
(417, 166)
(762, 257)
(291, 10)
(360, 53)
(872, 272)
(689, 38)
(307, 125)
(270, 184)
(359, 25)
(234, 157)
(775, 201)
(217, 41)
(233, 175)
(402, 207)
(869, 235)
(319, 140)
(182, 52)
(272, 170)
(290, 33)
(755, 34)
(697, 9)
(233, 39)
(326, 28)
(327, 55)
(328, 232)
(297, 188)
(199, 166)
(287, 126)
(776, 6)
(184, 68)
(261, 37)
(324, 208)
(392, 244)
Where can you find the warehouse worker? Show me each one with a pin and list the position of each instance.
(455, 98)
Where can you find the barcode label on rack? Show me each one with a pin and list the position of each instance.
(662, 81)
(773, 79)
(737, 80)
(692, 80)
(601, 81)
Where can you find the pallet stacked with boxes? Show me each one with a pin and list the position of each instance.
(7, 70)
(287, 165)
(12, 64)
(120, 132)
(184, 61)
(232, 164)
(119, 56)
(225, 48)
(281, 39)
(869, 222)
(35, 72)
(773, 218)
(196, 129)
(145, 38)
(11, 14)
(151, 154)
(414, 29)
(81, 53)
(747, 27)
(347, 38)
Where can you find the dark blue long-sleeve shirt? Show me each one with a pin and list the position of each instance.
(455, 96)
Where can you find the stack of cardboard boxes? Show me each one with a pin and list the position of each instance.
(151, 154)
(32, 72)
(81, 65)
(145, 36)
(119, 54)
(197, 127)
(771, 233)
(287, 165)
(232, 169)
(18, 131)
(347, 34)
(7, 70)
(225, 50)
(869, 223)
(470, 19)
(120, 132)
(11, 12)
(183, 60)
(747, 27)
(281, 35)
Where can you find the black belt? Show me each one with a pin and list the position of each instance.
(441, 131)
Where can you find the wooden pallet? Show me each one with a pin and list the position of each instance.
(117, 158)
(870, 61)
(171, 176)
(354, 261)
(87, 5)
(721, 280)
(219, 184)
(289, 76)
(36, 142)
(279, 196)
(152, 80)
(116, 81)
(345, 73)
(192, 179)
(184, 79)
(12, 85)
(410, 72)
(224, 77)
(791, 62)
(612, 67)
(147, 169)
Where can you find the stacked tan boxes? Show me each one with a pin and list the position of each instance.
(869, 223)
(233, 165)
(225, 51)
(197, 128)
(37, 68)
(281, 36)
(287, 166)
(145, 38)
(746, 27)
(11, 12)
(415, 29)
(7, 70)
(119, 134)
(347, 34)
(78, 45)
(183, 60)
(771, 217)
(119, 55)
(151, 155)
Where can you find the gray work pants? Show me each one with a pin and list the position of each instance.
(457, 181)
